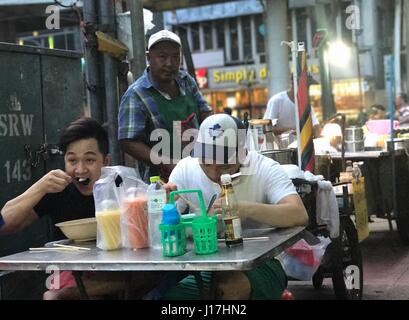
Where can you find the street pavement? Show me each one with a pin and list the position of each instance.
(386, 268)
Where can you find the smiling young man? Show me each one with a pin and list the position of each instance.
(67, 195)
(64, 195)
(164, 97)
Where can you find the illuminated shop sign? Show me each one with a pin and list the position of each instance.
(239, 76)
(242, 76)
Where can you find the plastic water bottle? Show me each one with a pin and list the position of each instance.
(156, 200)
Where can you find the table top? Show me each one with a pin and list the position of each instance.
(246, 257)
(362, 154)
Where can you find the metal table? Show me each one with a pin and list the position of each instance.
(246, 257)
(361, 154)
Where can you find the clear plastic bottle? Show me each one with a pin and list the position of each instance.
(356, 170)
(156, 200)
(231, 219)
(347, 175)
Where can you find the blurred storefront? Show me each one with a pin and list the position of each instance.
(227, 44)
(242, 88)
(233, 86)
(347, 97)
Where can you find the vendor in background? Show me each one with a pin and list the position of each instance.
(402, 110)
(374, 112)
(228, 110)
(161, 98)
(281, 106)
(267, 198)
(377, 112)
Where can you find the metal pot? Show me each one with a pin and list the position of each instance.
(354, 134)
(286, 138)
(354, 146)
(281, 156)
(262, 133)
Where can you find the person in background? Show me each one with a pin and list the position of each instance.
(68, 195)
(281, 106)
(163, 96)
(402, 110)
(228, 110)
(266, 196)
(374, 112)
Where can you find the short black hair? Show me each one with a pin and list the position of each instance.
(310, 79)
(377, 107)
(228, 110)
(85, 128)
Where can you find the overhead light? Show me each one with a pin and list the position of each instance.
(339, 53)
(231, 101)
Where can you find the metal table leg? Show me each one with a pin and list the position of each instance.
(78, 279)
(199, 282)
(212, 287)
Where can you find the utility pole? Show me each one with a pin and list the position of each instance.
(406, 15)
(356, 31)
(138, 62)
(277, 55)
(186, 52)
(92, 74)
(327, 99)
(397, 45)
(107, 14)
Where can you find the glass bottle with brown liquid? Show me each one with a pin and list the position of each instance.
(231, 219)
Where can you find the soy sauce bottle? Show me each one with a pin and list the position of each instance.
(231, 219)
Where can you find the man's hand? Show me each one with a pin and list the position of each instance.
(169, 187)
(54, 181)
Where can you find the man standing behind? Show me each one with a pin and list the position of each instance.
(281, 106)
(161, 97)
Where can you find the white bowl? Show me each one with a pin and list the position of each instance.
(79, 230)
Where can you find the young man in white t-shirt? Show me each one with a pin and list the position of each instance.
(266, 197)
(281, 106)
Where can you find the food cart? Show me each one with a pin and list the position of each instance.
(344, 251)
(380, 183)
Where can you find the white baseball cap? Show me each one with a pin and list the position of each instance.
(163, 35)
(221, 139)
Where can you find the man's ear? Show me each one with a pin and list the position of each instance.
(107, 160)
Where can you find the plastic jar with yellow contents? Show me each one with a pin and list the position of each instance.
(108, 228)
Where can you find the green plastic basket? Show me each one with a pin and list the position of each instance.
(204, 228)
(173, 239)
(205, 235)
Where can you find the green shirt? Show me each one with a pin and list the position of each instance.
(173, 112)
